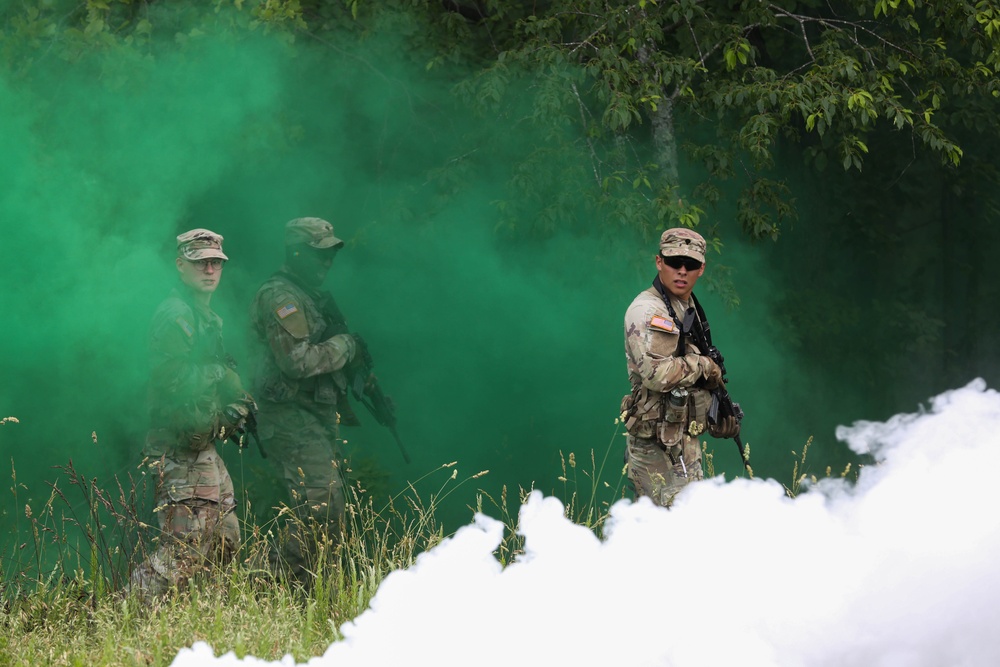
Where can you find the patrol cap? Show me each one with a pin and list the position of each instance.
(315, 232)
(200, 244)
(683, 242)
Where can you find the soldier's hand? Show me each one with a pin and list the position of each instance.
(360, 350)
(710, 371)
(370, 382)
(233, 417)
(728, 427)
(248, 401)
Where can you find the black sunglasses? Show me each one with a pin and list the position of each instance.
(676, 262)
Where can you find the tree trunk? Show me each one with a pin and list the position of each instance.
(665, 141)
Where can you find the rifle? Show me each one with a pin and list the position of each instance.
(363, 384)
(250, 424)
(722, 403)
(367, 391)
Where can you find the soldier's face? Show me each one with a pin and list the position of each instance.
(200, 276)
(678, 281)
(313, 264)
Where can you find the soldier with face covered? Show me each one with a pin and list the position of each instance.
(196, 399)
(667, 410)
(301, 380)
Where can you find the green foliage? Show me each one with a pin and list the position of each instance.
(812, 75)
(607, 84)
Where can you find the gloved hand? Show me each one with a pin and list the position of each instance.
(727, 428)
(234, 416)
(710, 371)
(360, 349)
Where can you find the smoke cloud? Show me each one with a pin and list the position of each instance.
(500, 349)
(898, 569)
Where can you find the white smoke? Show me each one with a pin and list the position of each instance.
(900, 570)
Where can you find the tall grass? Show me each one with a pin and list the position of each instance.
(61, 597)
(802, 478)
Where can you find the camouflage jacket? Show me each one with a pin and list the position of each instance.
(656, 367)
(191, 376)
(303, 346)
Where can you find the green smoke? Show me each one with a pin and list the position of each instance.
(501, 351)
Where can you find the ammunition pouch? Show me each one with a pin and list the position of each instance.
(651, 415)
(641, 411)
(670, 431)
(325, 389)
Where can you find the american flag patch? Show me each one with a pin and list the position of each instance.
(183, 324)
(287, 310)
(661, 323)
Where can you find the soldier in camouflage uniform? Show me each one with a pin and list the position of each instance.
(300, 380)
(196, 398)
(666, 412)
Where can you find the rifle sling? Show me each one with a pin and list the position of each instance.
(702, 320)
(684, 326)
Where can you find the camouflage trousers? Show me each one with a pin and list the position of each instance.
(658, 474)
(195, 507)
(312, 471)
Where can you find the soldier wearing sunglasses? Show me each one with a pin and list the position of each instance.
(666, 412)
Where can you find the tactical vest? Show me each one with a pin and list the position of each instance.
(665, 417)
(192, 419)
(320, 394)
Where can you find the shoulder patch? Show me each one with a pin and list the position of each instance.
(662, 324)
(291, 317)
(186, 326)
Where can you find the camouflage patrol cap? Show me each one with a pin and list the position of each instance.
(681, 241)
(200, 244)
(315, 232)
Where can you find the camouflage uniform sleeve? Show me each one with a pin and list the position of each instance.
(184, 387)
(281, 316)
(650, 344)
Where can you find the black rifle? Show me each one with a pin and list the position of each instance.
(363, 384)
(722, 403)
(367, 390)
(250, 424)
